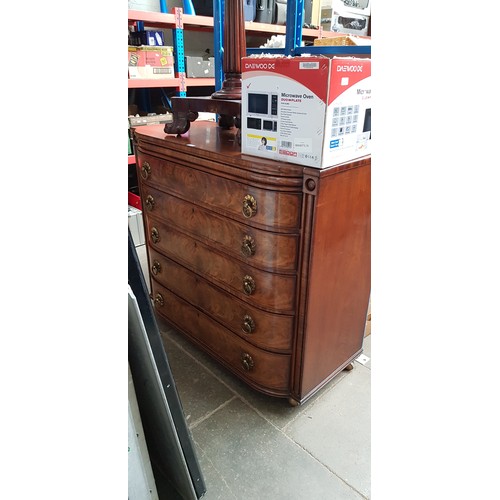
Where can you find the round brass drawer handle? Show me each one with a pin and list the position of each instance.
(155, 235)
(248, 324)
(247, 362)
(150, 202)
(248, 246)
(156, 268)
(249, 206)
(159, 301)
(145, 170)
(248, 285)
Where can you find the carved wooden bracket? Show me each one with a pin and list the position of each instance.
(185, 110)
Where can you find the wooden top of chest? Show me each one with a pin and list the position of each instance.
(206, 140)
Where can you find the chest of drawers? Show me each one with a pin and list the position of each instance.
(265, 265)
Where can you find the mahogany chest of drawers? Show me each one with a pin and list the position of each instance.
(265, 265)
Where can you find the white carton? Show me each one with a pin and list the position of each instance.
(362, 7)
(136, 226)
(352, 24)
(310, 110)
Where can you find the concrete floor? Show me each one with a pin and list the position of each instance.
(254, 447)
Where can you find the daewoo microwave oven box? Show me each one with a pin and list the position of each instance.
(311, 110)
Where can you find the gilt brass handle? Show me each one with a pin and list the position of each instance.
(247, 362)
(248, 246)
(249, 206)
(159, 301)
(150, 202)
(248, 285)
(155, 235)
(248, 324)
(156, 267)
(145, 170)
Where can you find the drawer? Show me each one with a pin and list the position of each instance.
(252, 205)
(260, 328)
(267, 371)
(273, 251)
(271, 291)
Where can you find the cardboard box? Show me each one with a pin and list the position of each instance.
(134, 200)
(360, 7)
(150, 62)
(344, 40)
(136, 226)
(352, 24)
(197, 67)
(152, 37)
(146, 37)
(312, 110)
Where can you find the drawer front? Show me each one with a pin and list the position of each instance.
(273, 251)
(252, 205)
(268, 371)
(260, 328)
(273, 292)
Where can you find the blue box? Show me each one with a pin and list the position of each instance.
(249, 10)
(151, 37)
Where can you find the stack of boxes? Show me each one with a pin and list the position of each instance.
(148, 57)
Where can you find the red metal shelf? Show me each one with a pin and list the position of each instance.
(171, 82)
(163, 20)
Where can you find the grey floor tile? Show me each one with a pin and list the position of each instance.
(367, 350)
(199, 391)
(336, 429)
(278, 411)
(250, 459)
(217, 489)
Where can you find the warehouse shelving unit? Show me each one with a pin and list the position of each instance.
(180, 22)
(177, 22)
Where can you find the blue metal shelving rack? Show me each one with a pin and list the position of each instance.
(218, 42)
(179, 63)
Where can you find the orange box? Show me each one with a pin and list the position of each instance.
(343, 40)
(150, 62)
